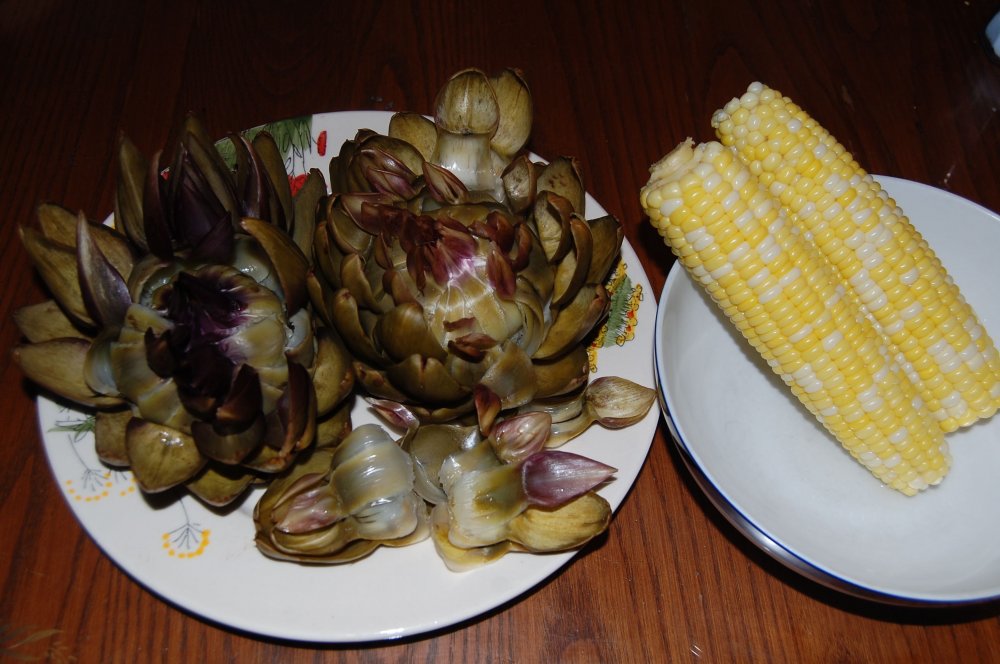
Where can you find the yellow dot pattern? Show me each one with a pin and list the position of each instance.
(99, 489)
(186, 542)
(200, 540)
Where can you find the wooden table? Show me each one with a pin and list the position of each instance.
(909, 87)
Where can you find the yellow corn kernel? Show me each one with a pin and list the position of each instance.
(782, 296)
(876, 251)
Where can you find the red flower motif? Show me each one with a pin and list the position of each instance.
(295, 182)
(321, 143)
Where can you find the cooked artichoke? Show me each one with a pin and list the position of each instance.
(343, 502)
(187, 325)
(463, 277)
(490, 495)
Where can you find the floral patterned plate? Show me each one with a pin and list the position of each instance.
(205, 561)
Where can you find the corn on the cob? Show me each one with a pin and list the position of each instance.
(898, 279)
(734, 239)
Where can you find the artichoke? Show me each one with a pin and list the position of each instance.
(187, 326)
(462, 276)
(477, 497)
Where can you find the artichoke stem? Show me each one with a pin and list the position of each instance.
(468, 157)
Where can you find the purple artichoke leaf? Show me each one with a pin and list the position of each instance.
(203, 379)
(472, 346)
(415, 264)
(216, 246)
(393, 412)
(388, 182)
(444, 186)
(520, 436)
(387, 174)
(206, 306)
(105, 292)
(308, 504)
(500, 274)
(251, 181)
(524, 241)
(552, 477)
(365, 209)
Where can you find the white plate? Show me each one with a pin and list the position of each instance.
(786, 484)
(207, 564)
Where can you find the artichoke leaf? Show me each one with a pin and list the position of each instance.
(482, 503)
(608, 236)
(515, 106)
(416, 130)
(104, 290)
(426, 380)
(326, 256)
(347, 319)
(611, 401)
(219, 484)
(332, 428)
(132, 169)
(403, 331)
(273, 164)
(44, 321)
(562, 375)
(467, 104)
(376, 383)
(429, 445)
(511, 376)
(574, 322)
(332, 373)
(551, 214)
(572, 270)
(346, 235)
(160, 457)
(97, 368)
(210, 167)
(57, 265)
(228, 448)
(544, 530)
(291, 265)
(306, 210)
(61, 226)
(519, 178)
(462, 559)
(392, 148)
(562, 176)
(57, 365)
(354, 278)
(109, 436)
(321, 297)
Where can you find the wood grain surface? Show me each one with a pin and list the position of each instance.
(909, 87)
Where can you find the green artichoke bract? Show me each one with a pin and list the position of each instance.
(187, 325)
(463, 276)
